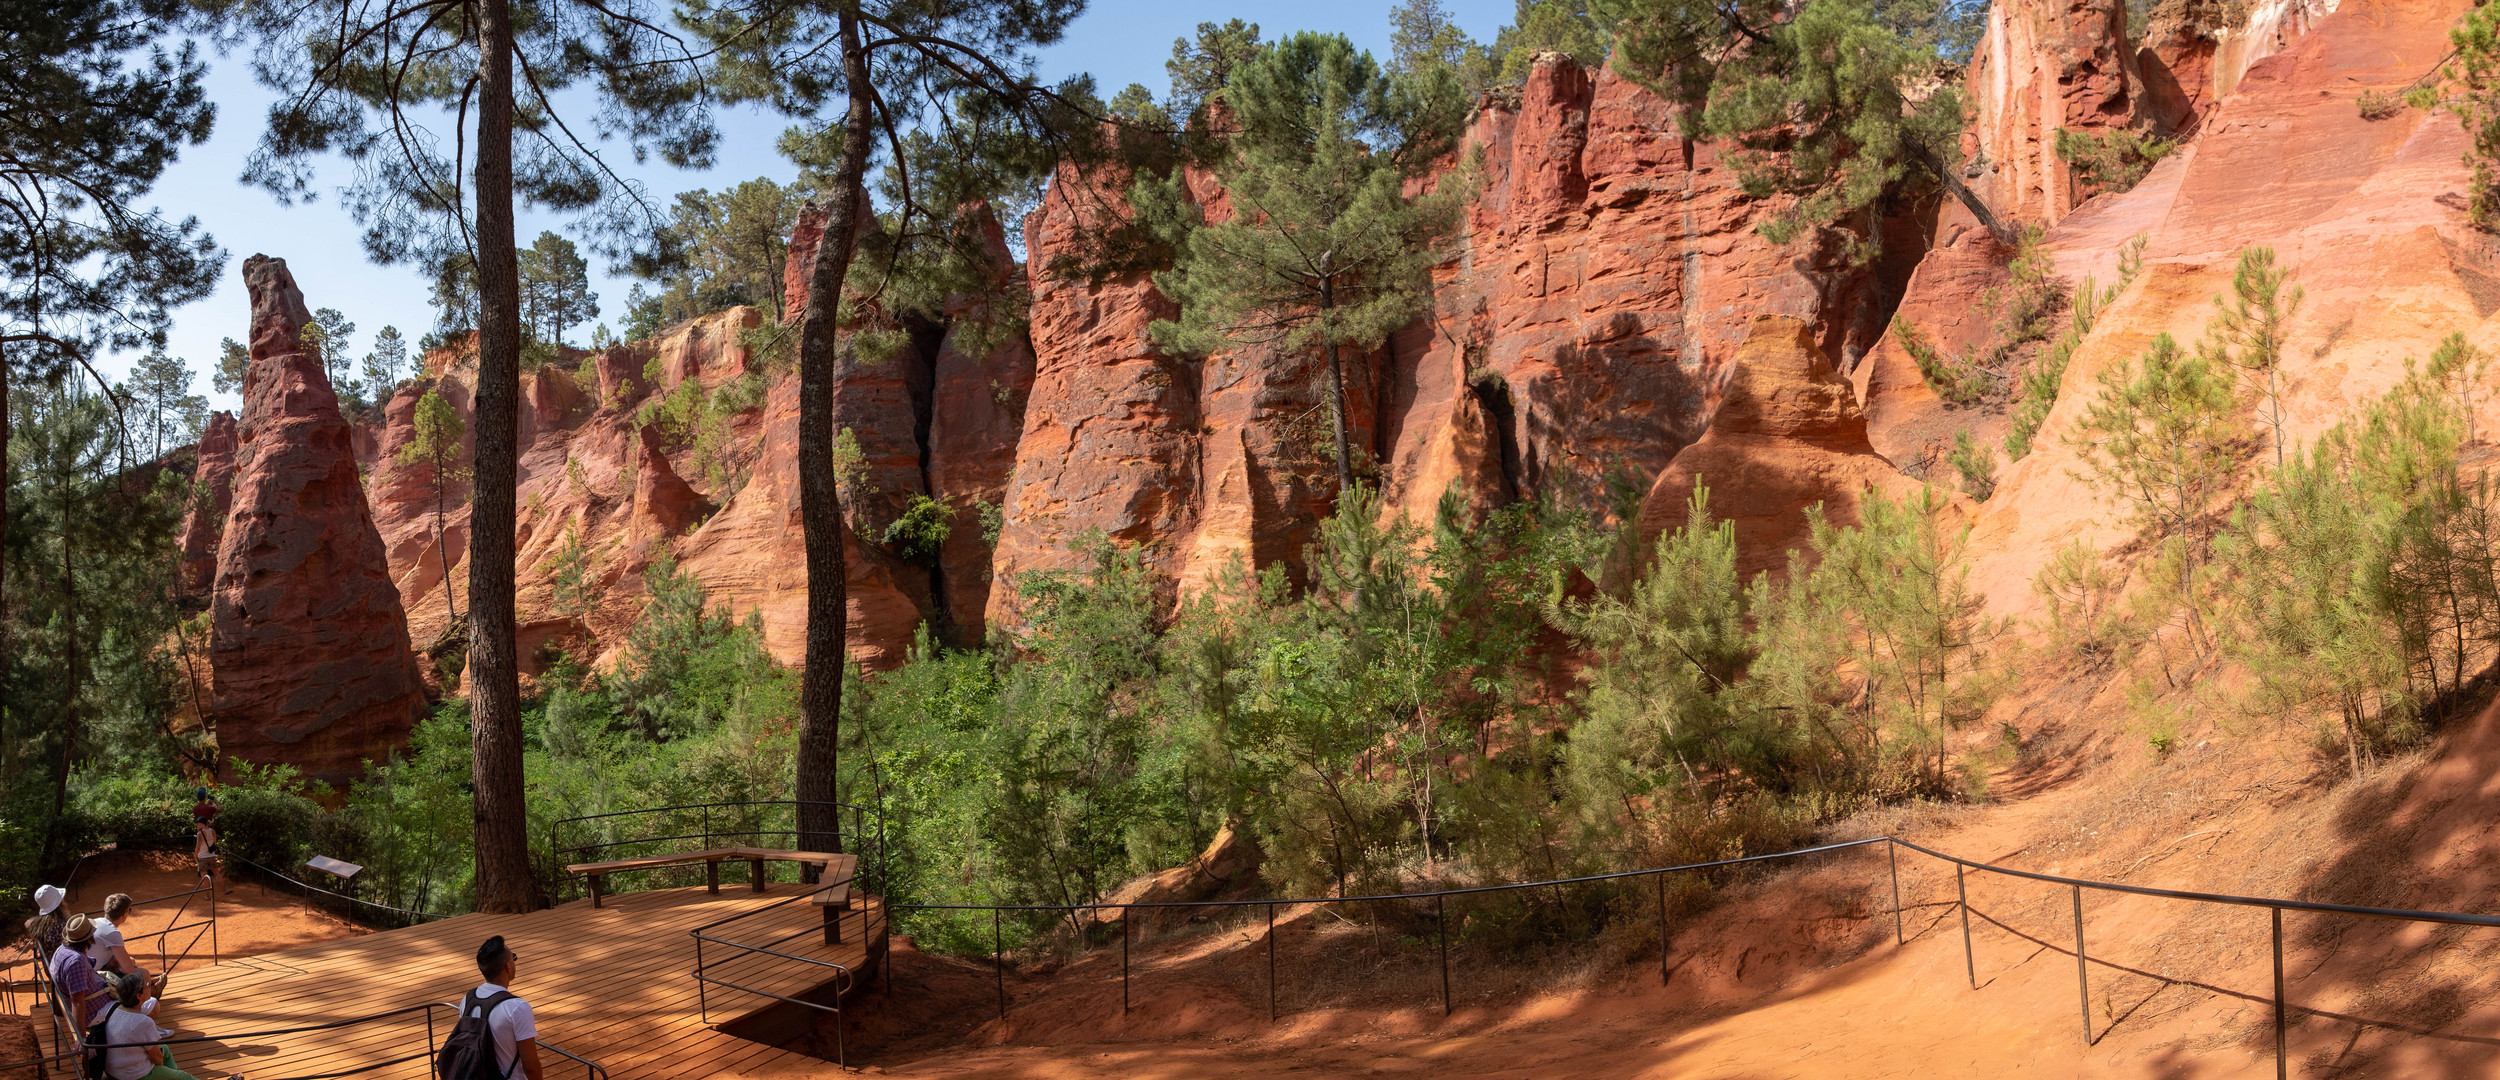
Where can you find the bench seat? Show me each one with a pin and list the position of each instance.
(836, 870)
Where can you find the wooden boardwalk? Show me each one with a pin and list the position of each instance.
(615, 985)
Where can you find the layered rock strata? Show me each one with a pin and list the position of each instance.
(2367, 215)
(310, 657)
(1607, 271)
(1788, 436)
(205, 521)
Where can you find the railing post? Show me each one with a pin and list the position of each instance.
(1661, 879)
(1124, 913)
(2083, 981)
(998, 960)
(702, 989)
(1440, 915)
(1271, 962)
(1893, 852)
(2282, 1063)
(1961, 895)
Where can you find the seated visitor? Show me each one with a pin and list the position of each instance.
(80, 990)
(130, 1037)
(109, 952)
(47, 908)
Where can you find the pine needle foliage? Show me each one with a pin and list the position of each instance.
(1324, 249)
(2248, 331)
(2366, 571)
(1832, 104)
(2159, 436)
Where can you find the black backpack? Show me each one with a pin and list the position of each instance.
(469, 1054)
(96, 1038)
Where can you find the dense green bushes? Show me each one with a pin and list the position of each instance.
(1404, 719)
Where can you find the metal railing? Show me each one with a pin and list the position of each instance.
(310, 890)
(701, 822)
(1440, 900)
(70, 1048)
(842, 976)
(166, 961)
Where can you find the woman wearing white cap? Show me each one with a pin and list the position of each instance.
(47, 935)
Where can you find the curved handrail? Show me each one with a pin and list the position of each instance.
(2453, 918)
(2082, 973)
(844, 977)
(81, 1045)
(426, 1007)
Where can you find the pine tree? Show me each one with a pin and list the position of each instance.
(371, 82)
(966, 69)
(1424, 35)
(387, 364)
(555, 289)
(1571, 27)
(1325, 250)
(1667, 658)
(434, 445)
(233, 361)
(86, 563)
(333, 337)
(2248, 332)
(97, 109)
(1834, 105)
(1200, 66)
(167, 411)
(2158, 435)
(722, 250)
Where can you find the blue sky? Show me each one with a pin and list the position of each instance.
(1119, 41)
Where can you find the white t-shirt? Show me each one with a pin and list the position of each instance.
(107, 938)
(510, 1023)
(129, 1026)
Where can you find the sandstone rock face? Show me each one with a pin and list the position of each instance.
(2046, 65)
(2367, 215)
(1788, 435)
(310, 652)
(1607, 274)
(604, 480)
(1109, 438)
(1610, 270)
(205, 521)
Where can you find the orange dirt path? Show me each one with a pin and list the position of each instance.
(251, 918)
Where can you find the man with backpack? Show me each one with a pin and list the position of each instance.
(496, 1032)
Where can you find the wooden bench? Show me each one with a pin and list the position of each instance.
(833, 868)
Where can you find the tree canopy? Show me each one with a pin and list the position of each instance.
(1324, 249)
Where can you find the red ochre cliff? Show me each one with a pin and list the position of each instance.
(1609, 290)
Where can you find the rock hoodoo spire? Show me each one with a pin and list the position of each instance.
(310, 650)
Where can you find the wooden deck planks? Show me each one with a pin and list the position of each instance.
(612, 984)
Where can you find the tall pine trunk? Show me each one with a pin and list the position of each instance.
(505, 883)
(1336, 399)
(820, 500)
(442, 549)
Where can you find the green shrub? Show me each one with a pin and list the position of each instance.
(919, 535)
(266, 817)
(2112, 160)
(2375, 105)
